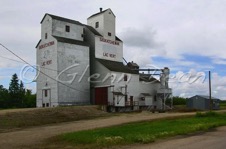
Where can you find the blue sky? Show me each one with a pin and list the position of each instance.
(188, 36)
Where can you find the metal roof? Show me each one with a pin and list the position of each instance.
(133, 64)
(148, 78)
(100, 13)
(78, 23)
(95, 32)
(116, 38)
(116, 66)
(207, 97)
(38, 43)
(61, 19)
(145, 94)
(118, 93)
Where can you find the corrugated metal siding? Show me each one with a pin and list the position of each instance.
(201, 103)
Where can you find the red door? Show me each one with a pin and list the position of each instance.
(101, 96)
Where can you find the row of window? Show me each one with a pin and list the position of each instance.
(67, 29)
(45, 105)
(97, 26)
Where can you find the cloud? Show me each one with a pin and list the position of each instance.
(191, 83)
(219, 61)
(141, 44)
(141, 38)
(160, 33)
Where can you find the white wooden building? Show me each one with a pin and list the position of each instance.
(83, 64)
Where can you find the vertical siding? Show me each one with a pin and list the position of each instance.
(73, 60)
(43, 55)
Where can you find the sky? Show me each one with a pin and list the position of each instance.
(188, 36)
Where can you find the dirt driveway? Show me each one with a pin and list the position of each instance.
(35, 136)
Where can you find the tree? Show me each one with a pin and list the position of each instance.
(16, 92)
(30, 99)
(17, 96)
(4, 95)
(22, 92)
(14, 87)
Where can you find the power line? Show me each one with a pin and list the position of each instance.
(12, 59)
(39, 66)
(38, 70)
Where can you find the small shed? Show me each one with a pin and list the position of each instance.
(202, 102)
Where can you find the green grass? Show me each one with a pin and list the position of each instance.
(223, 105)
(142, 132)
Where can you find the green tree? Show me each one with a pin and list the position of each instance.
(22, 92)
(30, 99)
(4, 96)
(179, 100)
(17, 96)
(14, 92)
(14, 87)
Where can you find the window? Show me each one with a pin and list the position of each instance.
(67, 28)
(109, 34)
(126, 98)
(125, 77)
(43, 105)
(155, 98)
(142, 98)
(46, 93)
(47, 104)
(46, 35)
(97, 24)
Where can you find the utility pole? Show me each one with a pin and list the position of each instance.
(210, 104)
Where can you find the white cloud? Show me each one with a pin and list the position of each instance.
(219, 61)
(168, 29)
(186, 86)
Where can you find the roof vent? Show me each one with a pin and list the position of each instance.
(101, 9)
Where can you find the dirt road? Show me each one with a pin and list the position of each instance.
(209, 140)
(35, 136)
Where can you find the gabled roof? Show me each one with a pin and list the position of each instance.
(148, 78)
(116, 38)
(101, 12)
(207, 97)
(61, 19)
(38, 43)
(116, 66)
(95, 32)
(133, 64)
(71, 41)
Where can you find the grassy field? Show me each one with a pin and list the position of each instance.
(23, 118)
(142, 132)
(223, 105)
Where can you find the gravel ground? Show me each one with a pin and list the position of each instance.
(33, 137)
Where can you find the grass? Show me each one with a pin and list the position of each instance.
(142, 132)
(10, 119)
(222, 105)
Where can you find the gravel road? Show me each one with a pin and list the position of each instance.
(35, 136)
